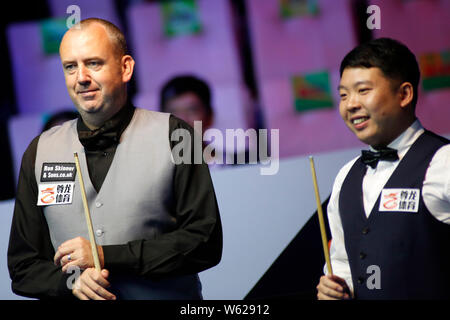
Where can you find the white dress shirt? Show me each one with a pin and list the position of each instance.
(436, 193)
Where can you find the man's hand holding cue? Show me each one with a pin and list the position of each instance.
(77, 252)
(91, 284)
(332, 287)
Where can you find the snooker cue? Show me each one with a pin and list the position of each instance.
(87, 215)
(321, 220)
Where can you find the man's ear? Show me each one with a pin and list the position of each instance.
(127, 67)
(406, 93)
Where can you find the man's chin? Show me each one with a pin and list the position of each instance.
(373, 141)
(89, 109)
(366, 138)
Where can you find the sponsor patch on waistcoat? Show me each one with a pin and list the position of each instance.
(400, 200)
(55, 193)
(58, 171)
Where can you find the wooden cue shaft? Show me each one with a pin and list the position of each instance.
(88, 216)
(321, 220)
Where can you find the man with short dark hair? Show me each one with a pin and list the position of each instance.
(189, 98)
(389, 211)
(156, 223)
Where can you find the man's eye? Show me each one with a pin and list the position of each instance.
(364, 90)
(343, 95)
(93, 64)
(69, 67)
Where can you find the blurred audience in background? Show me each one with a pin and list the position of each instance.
(285, 53)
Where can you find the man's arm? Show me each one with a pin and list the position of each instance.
(436, 186)
(30, 252)
(335, 287)
(195, 245)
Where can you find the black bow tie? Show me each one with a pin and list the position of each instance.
(99, 139)
(371, 158)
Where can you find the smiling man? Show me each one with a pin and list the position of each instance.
(156, 224)
(96, 67)
(389, 211)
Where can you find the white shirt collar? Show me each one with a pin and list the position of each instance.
(404, 141)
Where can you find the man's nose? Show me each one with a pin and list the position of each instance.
(83, 75)
(353, 103)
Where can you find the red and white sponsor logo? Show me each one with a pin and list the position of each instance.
(400, 200)
(55, 193)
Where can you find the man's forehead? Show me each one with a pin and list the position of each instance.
(363, 70)
(84, 30)
(357, 75)
(87, 38)
(92, 36)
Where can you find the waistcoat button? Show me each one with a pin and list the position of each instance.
(99, 232)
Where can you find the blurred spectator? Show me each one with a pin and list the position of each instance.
(188, 98)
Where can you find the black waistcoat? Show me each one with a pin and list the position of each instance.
(409, 252)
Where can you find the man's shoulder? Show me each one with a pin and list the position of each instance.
(55, 130)
(442, 157)
(437, 137)
(346, 168)
(337, 185)
(343, 172)
(59, 129)
(174, 121)
(142, 111)
(151, 115)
